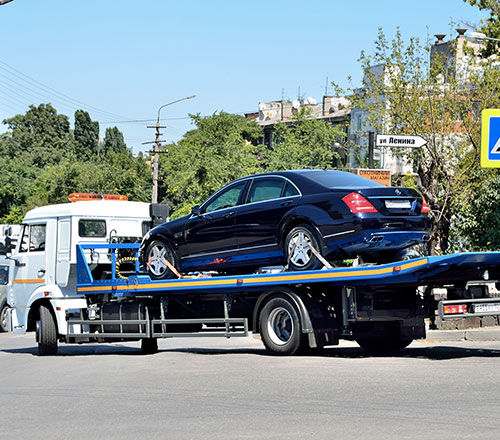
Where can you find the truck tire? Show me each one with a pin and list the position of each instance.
(383, 345)
(46, 332)
(149, 345)
(3, 316)
(280, 327)
(298, 254)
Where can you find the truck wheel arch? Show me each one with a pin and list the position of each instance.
(34, 313)
(305, 319)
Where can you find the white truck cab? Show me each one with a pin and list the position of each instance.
(43, 262)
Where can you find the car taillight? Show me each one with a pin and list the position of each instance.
(425, 207)
(358, 204)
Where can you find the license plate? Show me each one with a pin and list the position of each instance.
(487, 308)
(398, 204)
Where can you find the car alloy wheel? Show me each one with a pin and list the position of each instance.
(159, 251)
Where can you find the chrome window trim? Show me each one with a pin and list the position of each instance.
(251, 203)
(205, 254)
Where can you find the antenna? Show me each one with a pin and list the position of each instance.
(326, 86)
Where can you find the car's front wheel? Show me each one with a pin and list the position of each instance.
(298, 248)
(157, 253)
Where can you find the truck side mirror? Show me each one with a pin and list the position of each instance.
(195, 210)
(7, 249)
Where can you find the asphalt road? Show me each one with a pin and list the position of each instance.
(218, 389)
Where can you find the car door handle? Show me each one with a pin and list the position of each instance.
(286, 203)
(228, 215)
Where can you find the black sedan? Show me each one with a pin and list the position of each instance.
(272, 218)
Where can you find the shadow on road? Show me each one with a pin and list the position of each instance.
(437, 353)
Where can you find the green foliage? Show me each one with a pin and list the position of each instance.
(43, 161)
(114, 141)
(491, 26)
(404, 95)
(86, 135)
(304, 143)
(222, 148)
(480, 220)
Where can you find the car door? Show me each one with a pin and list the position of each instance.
(211, 236)
(258, 220)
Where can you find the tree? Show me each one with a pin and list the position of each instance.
(86, 135)
(221, 148)
(491, 26)
(114, 141)
(407, 95)
(40, 137)
(304, 143)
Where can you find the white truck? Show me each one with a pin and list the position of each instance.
(64, 285)
(43, 262)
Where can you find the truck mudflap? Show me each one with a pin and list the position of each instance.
(430, 271)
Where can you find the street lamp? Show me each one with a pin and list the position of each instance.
(156, 150)
(481, 36)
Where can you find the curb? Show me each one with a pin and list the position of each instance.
(476, 334)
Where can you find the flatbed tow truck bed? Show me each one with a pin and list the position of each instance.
(382, 307)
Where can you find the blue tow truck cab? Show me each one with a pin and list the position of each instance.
(381, 307)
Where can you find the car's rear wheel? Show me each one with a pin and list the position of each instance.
(4, 308)
(157, 253)
(297, 248)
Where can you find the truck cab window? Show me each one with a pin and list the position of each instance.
(33, 238)
(92, 228)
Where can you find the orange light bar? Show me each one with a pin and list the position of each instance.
(78, 197)
(455, 309)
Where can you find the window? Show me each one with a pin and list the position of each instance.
(4, 275)
(92, 228)
(265, 189)
(227, 199)
(290, 190)
(33, 238)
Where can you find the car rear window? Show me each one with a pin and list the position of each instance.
(340, 179)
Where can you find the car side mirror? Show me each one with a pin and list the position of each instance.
(195, 210)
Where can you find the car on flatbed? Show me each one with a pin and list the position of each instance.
(272, 218)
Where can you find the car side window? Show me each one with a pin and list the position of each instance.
(227, 199)
(290, 190)
(265, 189)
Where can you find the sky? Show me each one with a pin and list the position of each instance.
(121, 59)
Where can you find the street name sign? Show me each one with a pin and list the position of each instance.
(490, 138)
(393, 140)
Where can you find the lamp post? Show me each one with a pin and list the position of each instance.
(156, 150)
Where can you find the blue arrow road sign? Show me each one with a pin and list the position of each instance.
(490, 138)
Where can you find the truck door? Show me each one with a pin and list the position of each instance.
(30, 264)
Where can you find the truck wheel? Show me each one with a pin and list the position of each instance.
(149, 345)
(156, 253)
(280, 327)
(3, 317)
(383, 345)
(46, 332)
(298, 254)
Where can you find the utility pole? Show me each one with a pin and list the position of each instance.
(157, 148)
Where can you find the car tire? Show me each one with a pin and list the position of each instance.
(280, 327)
(4, 308)
(46, 332)
(156, 252)
(298, 254)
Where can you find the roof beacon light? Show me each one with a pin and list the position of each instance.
(358, 204)
(79, 197)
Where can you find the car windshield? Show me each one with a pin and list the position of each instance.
(339, 179)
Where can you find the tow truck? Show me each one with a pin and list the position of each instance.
(75, 278)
